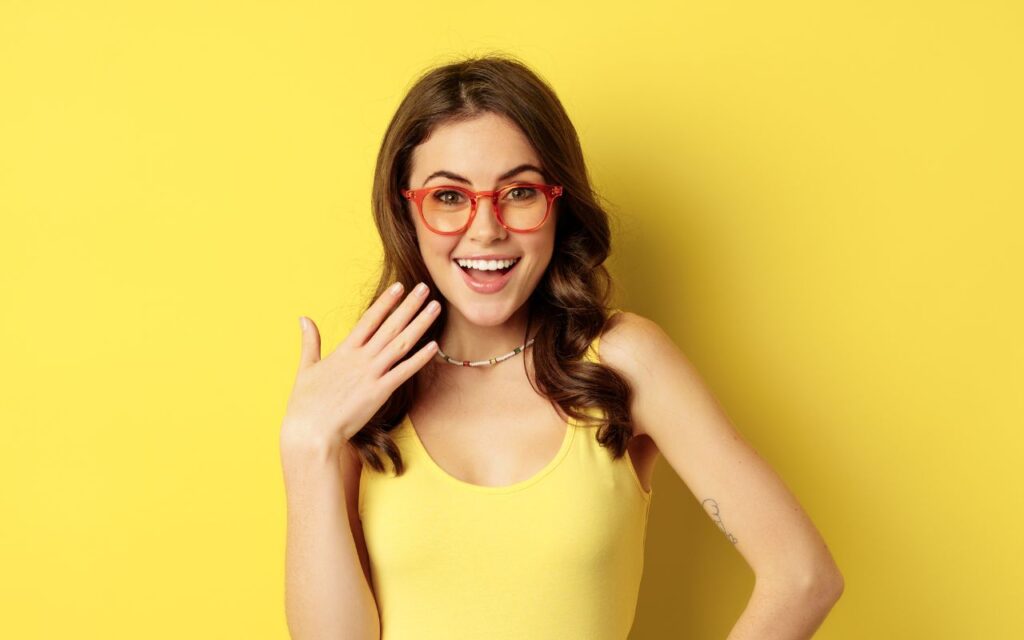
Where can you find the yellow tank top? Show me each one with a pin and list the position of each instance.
(557, 556)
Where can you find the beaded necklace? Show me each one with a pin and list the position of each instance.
(481, 363)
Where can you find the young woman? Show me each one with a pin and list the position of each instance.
(480, 466)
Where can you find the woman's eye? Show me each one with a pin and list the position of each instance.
(521, 193)
(448, 197)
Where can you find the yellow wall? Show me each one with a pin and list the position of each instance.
(821, 203)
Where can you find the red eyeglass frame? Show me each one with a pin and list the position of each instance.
(551, 191)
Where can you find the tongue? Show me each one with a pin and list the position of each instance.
(485, 276)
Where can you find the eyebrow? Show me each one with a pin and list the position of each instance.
(508, 174)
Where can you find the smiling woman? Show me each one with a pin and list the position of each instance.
(486, 499)
(511, 475)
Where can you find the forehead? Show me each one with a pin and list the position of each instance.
(480, 149)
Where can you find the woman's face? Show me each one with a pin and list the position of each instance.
(478, 154)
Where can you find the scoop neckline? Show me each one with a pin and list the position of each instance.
(563, 450)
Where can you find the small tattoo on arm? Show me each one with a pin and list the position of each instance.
(712, 508)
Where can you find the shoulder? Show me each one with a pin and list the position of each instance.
(636, 347)
(664, 380)
(628, 338)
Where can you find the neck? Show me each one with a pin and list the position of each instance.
(463, 339)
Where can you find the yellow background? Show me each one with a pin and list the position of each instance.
(821, 202)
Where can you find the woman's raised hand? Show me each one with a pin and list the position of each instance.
(334, 397)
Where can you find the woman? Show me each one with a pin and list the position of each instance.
(507, 496)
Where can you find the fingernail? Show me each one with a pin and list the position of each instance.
(302, 322)
(395, 288)
(421, 289)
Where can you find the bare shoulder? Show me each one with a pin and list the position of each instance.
(632, 344)
(628, 339)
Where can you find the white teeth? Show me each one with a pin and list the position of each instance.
(487, 265)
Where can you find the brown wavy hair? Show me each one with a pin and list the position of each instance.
(570, 305)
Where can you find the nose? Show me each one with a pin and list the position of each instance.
(485, 225)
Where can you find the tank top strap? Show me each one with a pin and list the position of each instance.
(621, 474)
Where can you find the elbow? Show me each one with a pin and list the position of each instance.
(822, 585)
(825, 585)
(822, 581)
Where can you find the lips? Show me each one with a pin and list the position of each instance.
(492, 286)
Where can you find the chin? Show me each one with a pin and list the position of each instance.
(487, 314)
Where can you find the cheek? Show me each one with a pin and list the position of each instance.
(545, 243)
(541, 249)
(436, 253)
(434, 248)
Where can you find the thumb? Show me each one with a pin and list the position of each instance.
(310, 343)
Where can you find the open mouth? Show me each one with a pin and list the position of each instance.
(487, 280)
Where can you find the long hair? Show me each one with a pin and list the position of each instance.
(570, 305)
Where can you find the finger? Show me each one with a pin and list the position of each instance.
(405, 369)
(400, 345)
(310, 343)
(375, 315)
(398, 321)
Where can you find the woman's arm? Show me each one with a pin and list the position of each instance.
(797, 580)
(327, 590)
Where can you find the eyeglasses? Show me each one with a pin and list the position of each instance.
(449, 210)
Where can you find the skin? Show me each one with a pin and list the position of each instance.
(481, 326)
